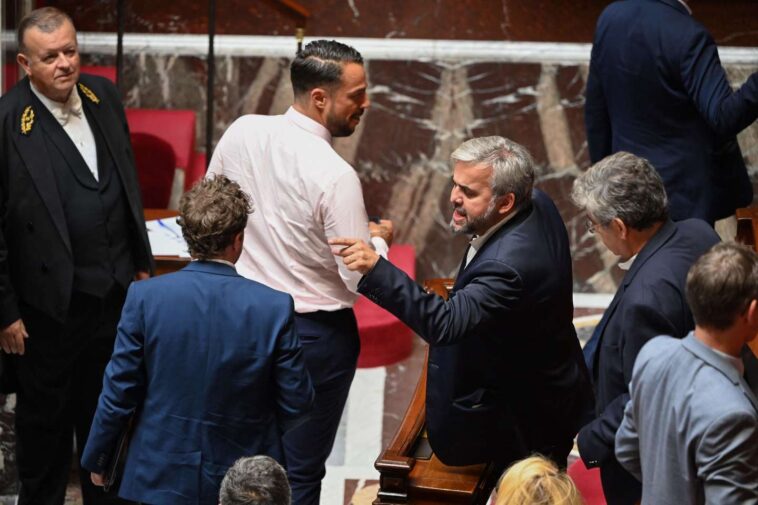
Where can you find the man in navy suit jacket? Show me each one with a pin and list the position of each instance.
(656, 88)
(206, 361)
(626, 204)
(505, 376)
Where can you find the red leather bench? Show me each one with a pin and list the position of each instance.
(384, 339)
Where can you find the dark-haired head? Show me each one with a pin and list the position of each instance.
(319, 65)
(329, 83)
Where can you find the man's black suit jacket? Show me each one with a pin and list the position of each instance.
(656, 88)
(650, 302)
(505, 375)
(36, 263)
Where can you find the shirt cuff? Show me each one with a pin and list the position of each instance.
(380, 246)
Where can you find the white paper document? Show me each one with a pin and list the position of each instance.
(166, 238)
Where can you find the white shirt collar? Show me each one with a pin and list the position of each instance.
(686, 6)
(308, 124)
(217, 260)
(61, 111)
(626, 265)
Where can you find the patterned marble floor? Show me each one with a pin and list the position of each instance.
(376, 404)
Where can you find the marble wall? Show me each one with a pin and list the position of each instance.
(420, 112)
(731, 22)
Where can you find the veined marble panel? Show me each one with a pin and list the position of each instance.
(420, 112)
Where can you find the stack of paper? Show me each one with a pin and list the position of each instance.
(166, 238)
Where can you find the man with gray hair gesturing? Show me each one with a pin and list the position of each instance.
(505, 375)
(626, 207)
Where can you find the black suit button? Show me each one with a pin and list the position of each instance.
(44, 268)
(30, 226)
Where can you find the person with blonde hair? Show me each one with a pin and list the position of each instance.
(536, 481)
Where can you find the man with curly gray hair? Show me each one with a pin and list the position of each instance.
(627, 208)
(207, 365)
(257, 480)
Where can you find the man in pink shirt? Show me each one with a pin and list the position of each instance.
(305, 194)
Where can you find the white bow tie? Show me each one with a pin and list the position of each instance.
(72, 106)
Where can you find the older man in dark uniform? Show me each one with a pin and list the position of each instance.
(72, 238)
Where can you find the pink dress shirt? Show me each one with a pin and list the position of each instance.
(303, 193)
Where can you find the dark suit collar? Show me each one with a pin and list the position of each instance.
(676, 5)
(705, 353)
(211, 267)
(521, 215)
(58, 136)
(34, 153)
(104, 115)
(649, 249)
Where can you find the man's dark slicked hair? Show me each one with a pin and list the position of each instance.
(319, 64)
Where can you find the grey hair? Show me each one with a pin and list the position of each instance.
(622, 186)
(45, 19)
(512, 165)
(256, 480)
(721, 285)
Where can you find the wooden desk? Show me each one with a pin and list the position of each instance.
(406, 476)
(165, 264)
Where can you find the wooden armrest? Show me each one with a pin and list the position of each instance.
(404, 478)
(747, 226)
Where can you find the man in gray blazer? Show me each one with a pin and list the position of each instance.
(690, 430)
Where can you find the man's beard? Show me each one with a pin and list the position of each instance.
(339, 127)
(474, 226)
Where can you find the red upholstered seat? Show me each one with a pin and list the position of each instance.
(196, 170)
(588, 482)
(106, 71)
(384, 339)
(156, 164)
(177, 127)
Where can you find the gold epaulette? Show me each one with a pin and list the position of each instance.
(89, 93)
(27, 120)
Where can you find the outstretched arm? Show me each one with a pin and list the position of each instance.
(495, 290)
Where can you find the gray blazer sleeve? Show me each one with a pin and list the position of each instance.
(727, 459)
(628, 443)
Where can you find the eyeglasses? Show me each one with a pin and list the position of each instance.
(591, 227)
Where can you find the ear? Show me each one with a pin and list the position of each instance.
(751, 313)
(22, 60)
(319, 98)
(620, 227)
(239, 239)
(507, 202)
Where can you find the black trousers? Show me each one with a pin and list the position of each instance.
(59, 379)
(331, 346)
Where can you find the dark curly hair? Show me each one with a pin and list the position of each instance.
(211, 214)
